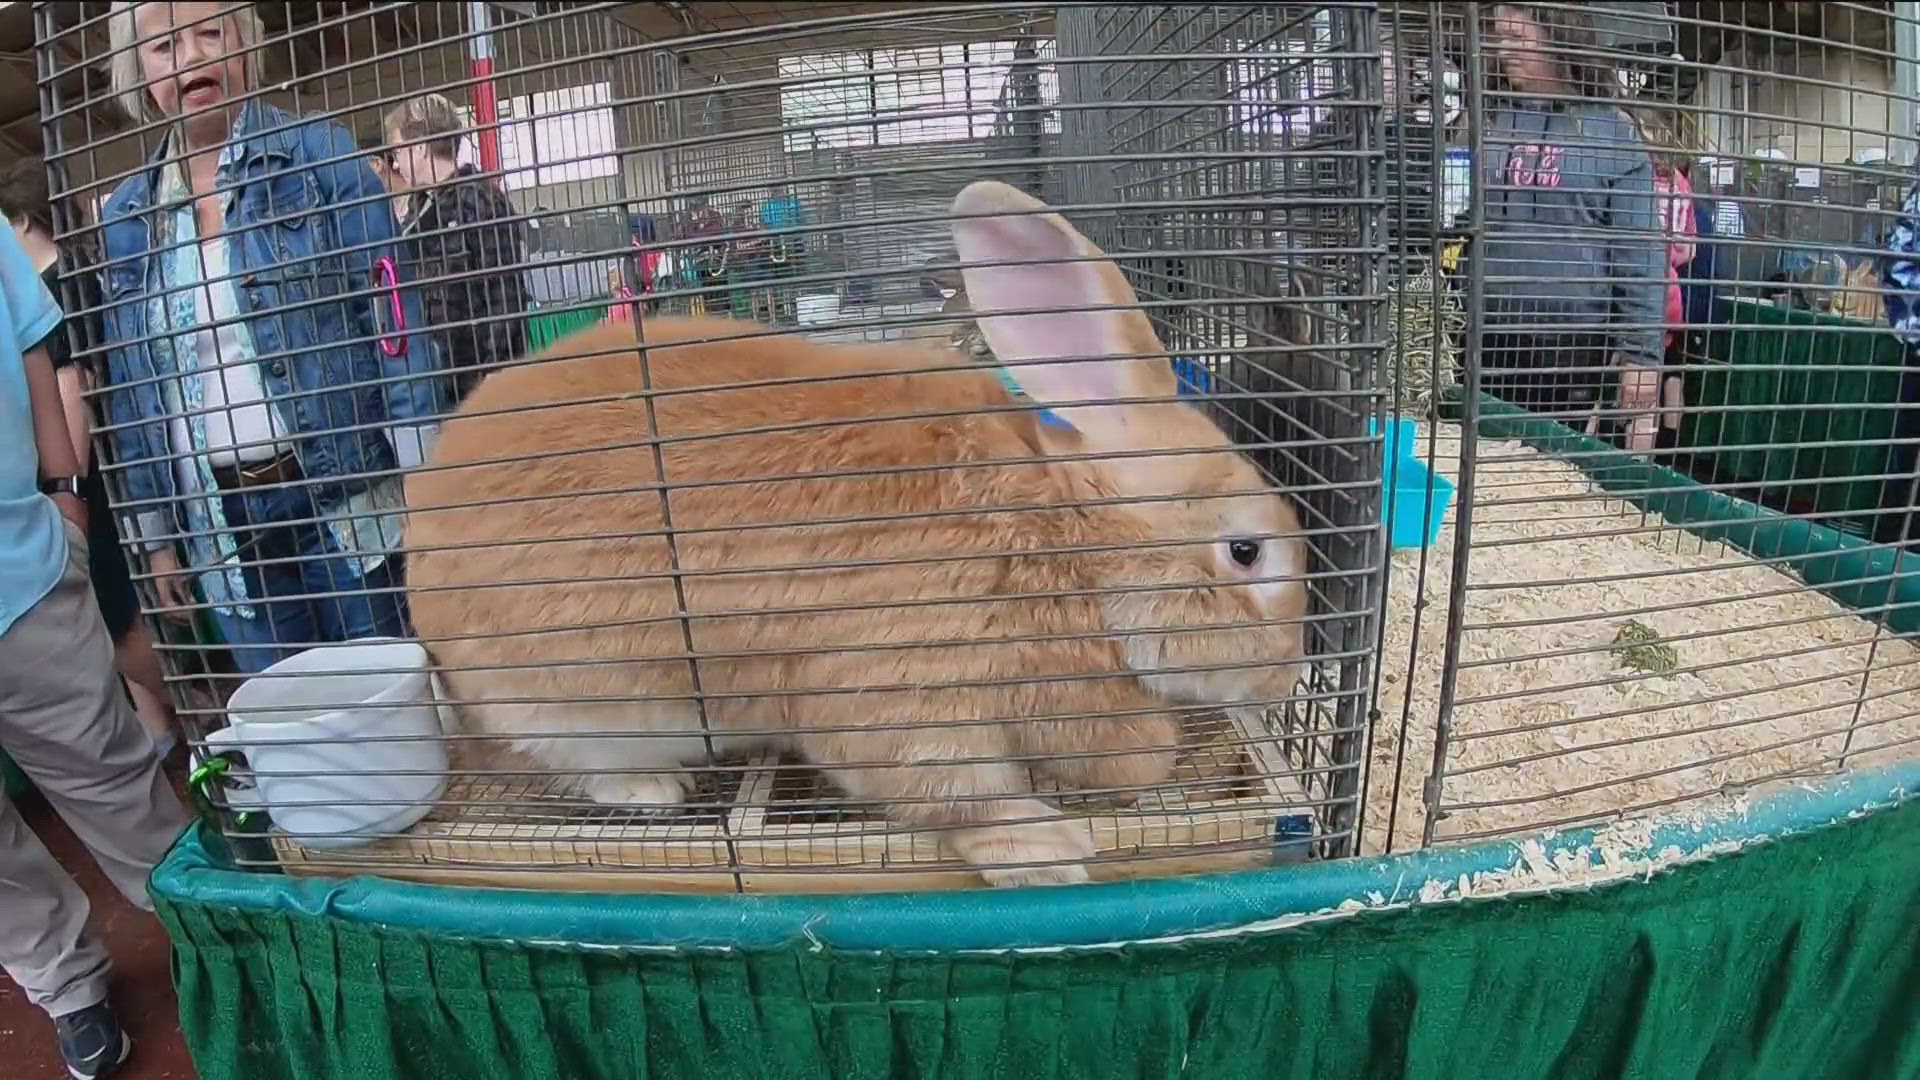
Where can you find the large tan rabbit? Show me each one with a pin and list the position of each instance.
(905, 574)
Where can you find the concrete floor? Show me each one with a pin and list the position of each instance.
(143, 980)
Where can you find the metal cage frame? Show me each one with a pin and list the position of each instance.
(1285, 188)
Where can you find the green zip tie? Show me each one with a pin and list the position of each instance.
(215, 768)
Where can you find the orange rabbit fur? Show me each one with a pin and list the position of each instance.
(936, 605)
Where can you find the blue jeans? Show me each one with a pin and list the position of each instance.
(308, 592)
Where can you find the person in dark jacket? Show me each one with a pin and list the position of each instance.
(465, 245)
(1574, 259)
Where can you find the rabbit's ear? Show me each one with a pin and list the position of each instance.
(1017, 256)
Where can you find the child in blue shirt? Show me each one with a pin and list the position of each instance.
(64, 717)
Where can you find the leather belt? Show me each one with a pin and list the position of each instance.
(276, 471)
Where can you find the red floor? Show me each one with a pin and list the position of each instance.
(143, 985)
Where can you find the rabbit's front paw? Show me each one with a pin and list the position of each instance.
(1045, 852)
(652, 793)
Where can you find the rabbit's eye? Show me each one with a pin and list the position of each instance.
(1244, 552)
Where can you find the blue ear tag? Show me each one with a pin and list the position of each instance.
(1047, 416)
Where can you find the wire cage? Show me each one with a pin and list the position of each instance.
(1668, 406)
(796, 166)
(1607, 273)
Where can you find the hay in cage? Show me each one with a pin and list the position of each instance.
(1424, 324)
(1769, 680)
(772, 824)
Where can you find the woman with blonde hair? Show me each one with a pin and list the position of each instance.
(465, 245)
(262, 389)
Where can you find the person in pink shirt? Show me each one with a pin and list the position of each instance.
(1673, 195)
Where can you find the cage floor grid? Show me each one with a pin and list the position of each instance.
(774, 825)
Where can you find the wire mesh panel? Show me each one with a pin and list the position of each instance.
(1260, 295)
(845, 151)
(1655, 300)
(838, 446)
(744, 447)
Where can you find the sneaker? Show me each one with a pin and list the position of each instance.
(92, 1042)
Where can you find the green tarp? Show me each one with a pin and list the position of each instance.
(1798, 958)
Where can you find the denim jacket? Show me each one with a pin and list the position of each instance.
(307, 222)
(1901, 272)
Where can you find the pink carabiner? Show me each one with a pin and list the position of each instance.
(387, 276)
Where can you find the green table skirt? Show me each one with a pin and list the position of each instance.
(1798, 957)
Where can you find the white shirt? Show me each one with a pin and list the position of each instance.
(239, 414)
(1728, 219)
(240, 425)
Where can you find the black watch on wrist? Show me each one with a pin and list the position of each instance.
(60, 485)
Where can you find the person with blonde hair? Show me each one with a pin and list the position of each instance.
(265, 377)
(464, 242)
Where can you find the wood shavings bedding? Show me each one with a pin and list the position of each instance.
(1551, 727)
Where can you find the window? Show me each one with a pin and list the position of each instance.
(571, 127)
(894, 97)
(1277, 82)
(825, 89)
